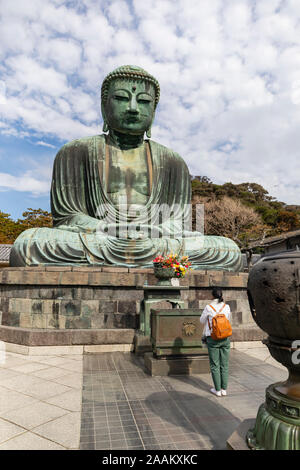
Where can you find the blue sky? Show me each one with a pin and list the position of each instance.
(230, 86)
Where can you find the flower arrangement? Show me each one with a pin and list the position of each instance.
(180, 265)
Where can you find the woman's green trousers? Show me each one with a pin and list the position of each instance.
(218, 352)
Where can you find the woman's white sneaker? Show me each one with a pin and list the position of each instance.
(214, 391)
(223, 392)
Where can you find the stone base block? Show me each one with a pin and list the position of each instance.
(63, 350)
(187, 365)
(142, 344)
(247, 333)
(71, 337)
(237, 440)
(45, 305)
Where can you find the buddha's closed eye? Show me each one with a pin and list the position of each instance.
(121, 98)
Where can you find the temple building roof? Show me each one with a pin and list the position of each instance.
(282, 242)
(4, 253)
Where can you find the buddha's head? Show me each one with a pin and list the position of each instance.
(129, 96)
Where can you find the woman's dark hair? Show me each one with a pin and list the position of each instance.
(217, 294)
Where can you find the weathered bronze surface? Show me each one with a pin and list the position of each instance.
(274, 297)
(164, 275)
(277, 425)
(109, 191)
(176, 332)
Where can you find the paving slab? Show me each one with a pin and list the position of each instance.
(21, 383)
(70, 400)
(34, 415)
(123, 407)
(108, 401)
(9, 430)
(73, 380)
(30, 441)
(64, 431)
(29, 367)
(12, 400)
(49, 373)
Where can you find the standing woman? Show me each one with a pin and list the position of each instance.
(218, 350)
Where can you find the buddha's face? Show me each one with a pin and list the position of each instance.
(130, 106)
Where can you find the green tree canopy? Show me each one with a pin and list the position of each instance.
(275, 216)
(11, 229)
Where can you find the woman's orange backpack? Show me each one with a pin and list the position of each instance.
(220, 325)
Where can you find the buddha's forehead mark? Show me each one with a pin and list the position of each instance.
(132, 86)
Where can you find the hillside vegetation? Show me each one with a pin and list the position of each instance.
(10, 229)
(244, 212)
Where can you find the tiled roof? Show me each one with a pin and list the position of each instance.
(275, 239)
(4, 252)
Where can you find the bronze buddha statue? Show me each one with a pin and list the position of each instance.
(119, 199)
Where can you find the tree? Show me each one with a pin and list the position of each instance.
(276, 217)
(32, 218)
(35, 218)
(288, 220)
(8, 229)
(230, 218)
(202, 179)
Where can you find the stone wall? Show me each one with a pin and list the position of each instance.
(99, 300)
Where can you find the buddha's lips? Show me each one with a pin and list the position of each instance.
(132, 119)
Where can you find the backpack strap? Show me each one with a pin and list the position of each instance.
(224, 305)
(222, 308)
(210, 325)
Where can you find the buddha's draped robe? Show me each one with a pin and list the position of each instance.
(86, 222)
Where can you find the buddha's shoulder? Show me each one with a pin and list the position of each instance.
(84, 142)
(165, 150)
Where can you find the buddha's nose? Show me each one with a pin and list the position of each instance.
(133, 105)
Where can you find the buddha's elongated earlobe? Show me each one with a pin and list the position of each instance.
(105, 127)
(148, 133)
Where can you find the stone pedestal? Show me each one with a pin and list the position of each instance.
(65, 305)
(237, 440)
(174, 365)
(155, 295)
(142, 343)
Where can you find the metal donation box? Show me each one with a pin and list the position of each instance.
(176, 332)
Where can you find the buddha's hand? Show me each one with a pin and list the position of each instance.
(81, 223)
(130, 231)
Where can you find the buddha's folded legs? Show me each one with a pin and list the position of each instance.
(212, 252)
(47, 246)
(62, 247)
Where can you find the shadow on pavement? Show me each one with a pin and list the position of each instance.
(196, 414)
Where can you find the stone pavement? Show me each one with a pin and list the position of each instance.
(107, 401)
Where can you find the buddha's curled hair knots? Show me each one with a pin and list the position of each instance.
(129, 72)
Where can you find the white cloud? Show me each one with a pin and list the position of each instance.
(29, 76)
(24, 183)
(229, 75)
(64, 53)
(119, 13)
(45, 144)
